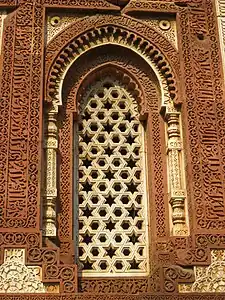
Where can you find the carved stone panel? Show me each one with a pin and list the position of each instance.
(16, 277)
(210, 279)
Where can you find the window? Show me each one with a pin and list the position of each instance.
(113, 219)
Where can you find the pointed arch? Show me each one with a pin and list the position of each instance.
(87, 34)
(86, 37)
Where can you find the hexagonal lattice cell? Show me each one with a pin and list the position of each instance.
(95, 199)
(103, 265)
(93, 127)
(95, 151)
(112, 197)
(118, 212)
(102, 162)
(94, 225)
(95, 174)
(114, 93)
(95, 251)
(118, 187)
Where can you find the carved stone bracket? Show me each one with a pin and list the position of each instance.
(50, 193)
(175, 169)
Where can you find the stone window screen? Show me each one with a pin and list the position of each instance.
(110, 183)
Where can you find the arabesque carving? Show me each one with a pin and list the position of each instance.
(196, 69)
(209, 279)
(58, 22)
(16, 277)
(75, 49)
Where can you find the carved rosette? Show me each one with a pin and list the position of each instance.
(176, 169)
(50, 193)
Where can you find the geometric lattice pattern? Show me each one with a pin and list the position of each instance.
(113, 220)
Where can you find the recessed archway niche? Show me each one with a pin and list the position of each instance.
(162, 131)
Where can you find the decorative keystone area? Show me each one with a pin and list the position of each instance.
(113, 235)
(209, 279)
(16, 277)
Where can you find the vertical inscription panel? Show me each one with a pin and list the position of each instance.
(22, 46)
(204, 108)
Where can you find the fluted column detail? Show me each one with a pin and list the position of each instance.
(177, 190)
(50, 193)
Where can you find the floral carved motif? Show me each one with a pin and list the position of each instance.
(84, 4)
(209, 279)
(15, 277)
(8, 3)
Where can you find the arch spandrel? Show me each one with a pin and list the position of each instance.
(82, 36)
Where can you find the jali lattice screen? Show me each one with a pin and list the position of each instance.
(113, 221)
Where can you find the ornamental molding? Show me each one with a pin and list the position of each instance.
(105, 34)
(167, 26)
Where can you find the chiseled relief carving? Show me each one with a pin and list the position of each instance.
(177, 192)
(209, 279)
(16, 277)
(166, 26)
(220, 5)
(50, 185)
(2, 17)
(113, 221)
(176, 178)
(57, 23)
